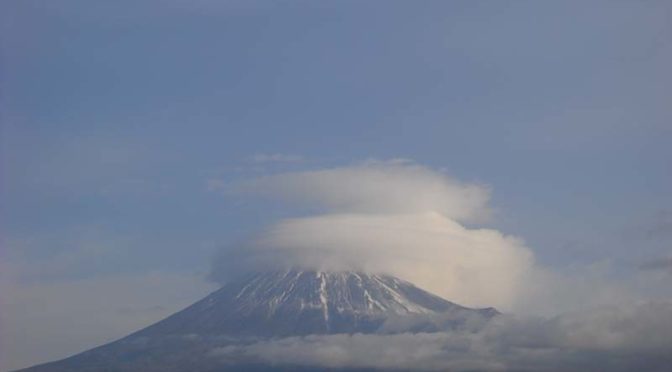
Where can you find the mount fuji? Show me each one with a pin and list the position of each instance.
(273, 305)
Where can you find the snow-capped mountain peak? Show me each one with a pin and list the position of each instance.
(297, 302)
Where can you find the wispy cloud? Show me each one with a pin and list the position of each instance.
(661, 226)
(276, 158)
(659, 264)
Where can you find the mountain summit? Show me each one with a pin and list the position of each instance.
(275, 305)
(305, 302)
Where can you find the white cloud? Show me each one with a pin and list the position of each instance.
(404, 219)
(376, 187)
(472, 267)
(394, 217)
(636, 337)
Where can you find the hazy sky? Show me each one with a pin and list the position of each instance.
(123, 121)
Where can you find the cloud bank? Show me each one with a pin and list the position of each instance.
(636, 337)
(394, 217)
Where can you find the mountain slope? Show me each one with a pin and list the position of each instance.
(302, 302)
(274, 305)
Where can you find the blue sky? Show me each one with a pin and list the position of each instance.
(116, 116)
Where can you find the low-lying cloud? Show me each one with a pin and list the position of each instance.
(635, 337)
